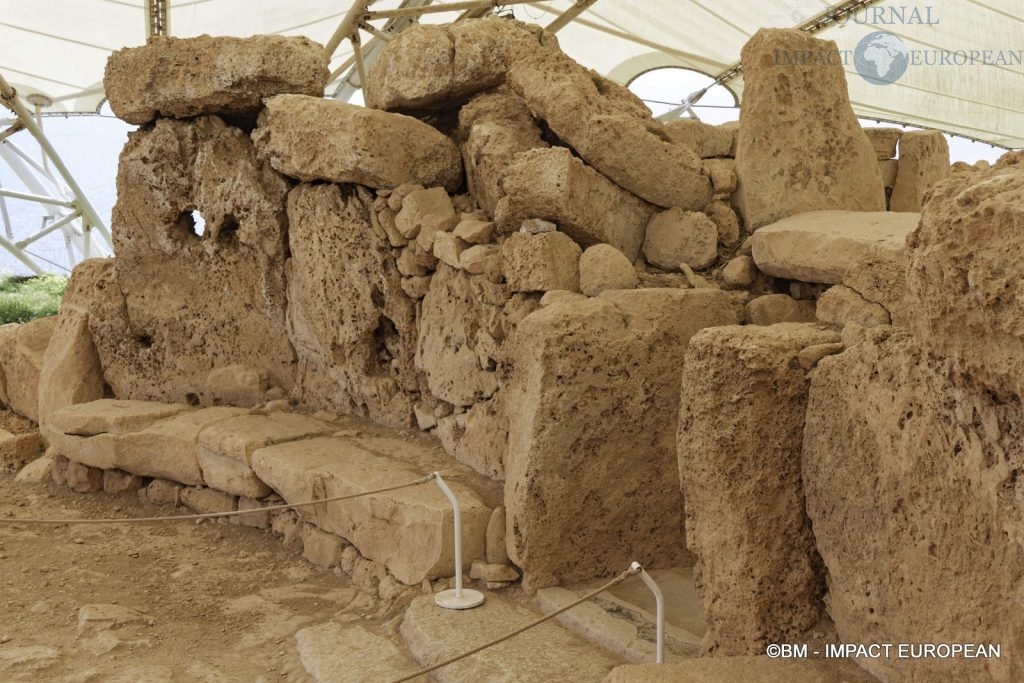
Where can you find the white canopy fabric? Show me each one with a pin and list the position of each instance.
(58, 48)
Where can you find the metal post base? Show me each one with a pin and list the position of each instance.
(450, 599)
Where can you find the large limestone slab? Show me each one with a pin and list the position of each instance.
(493, 129)
(341, 653)
(187, 77)
(740, 438)
(610, 128)
(429, 66)
(554, 185)
(964, 278)
(178, 304)
(352, 326)
(408, 530)
(545, 653)
(114, 416)
(924, 161)
(911, 487)
(311, 138)
(732, 669)
(226, 448)
(591, 479)
(823, 246)
(71, 372)
(168, 449)
(22, 347)
(800, 147)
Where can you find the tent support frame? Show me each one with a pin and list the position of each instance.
(65, 205)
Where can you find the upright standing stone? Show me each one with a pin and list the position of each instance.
(22, 348)
(590, 481)
(800, 147)
(924, 161)
(740, 437)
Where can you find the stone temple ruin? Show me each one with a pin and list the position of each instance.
(775, 352)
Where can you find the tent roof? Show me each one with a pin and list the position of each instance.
(58, 48)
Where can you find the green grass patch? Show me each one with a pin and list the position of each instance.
(27, 298)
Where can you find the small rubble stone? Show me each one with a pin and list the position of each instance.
(236, 385)
(542, 262)
(187, 77)
(483, 571)
(448, 248)
(727, 222)
(117, 481)
(676, 236)
(480, 258)
(812, 355)
(18, 449)
(841, 305)
(321, 548)
(605, 267)
(259, 518)
(36, 472)
(204, 501)
(164, 492)
(312, 138)
(429, 210)
(723, 176)
(739, 273)
(474, 231)
(537, 226)
(397, 197)
(779, 308)
(924, 161)
(496, 552)
(22, 349)
(559, 295)
(416, 287)
(82, 478)
(59, 468)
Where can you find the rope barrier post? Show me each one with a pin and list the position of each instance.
(659, 600)
(456, 598)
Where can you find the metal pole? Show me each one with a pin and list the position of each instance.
(40, 199)
(568, 15)
(458, 598)
(11, 100)
(448, 7)
(659, 600)
(357, 52)
(356, 13)
(6, 244)
(56, 225)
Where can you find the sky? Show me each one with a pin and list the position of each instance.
(90, 146)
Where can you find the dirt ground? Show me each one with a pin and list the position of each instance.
(205, 602)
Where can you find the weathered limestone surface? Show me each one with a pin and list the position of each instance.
(605, 267)
(71, 372)
(408, 530)
(772, 309)
(841, 305)
(590, 469)
(542, 654)
(676, 236)
(431, 66)
(225, 448)
(800, 147)
(177, 304)
(541, 263)
(450, 329)
(706, 140)
(554, 185)
(884, 141)
(823, 246)
(17, 450)
(187, 77)
(168, 449)
(924, 161)
(964, 276)
(311, 138)
(731, 669)
(333, 652)
(610, 128)
(113, 416)
(493, 129)
(353, 328)
(912, 488)
(740, 436)
(22, 347)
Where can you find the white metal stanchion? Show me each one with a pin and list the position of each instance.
(457, 598)
(659, 600)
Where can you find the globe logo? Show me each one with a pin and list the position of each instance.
(881, 58)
